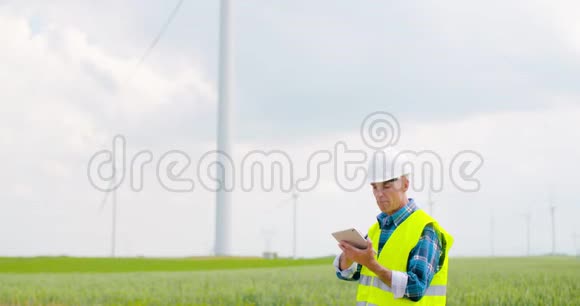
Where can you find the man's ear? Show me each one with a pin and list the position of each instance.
(405, 182)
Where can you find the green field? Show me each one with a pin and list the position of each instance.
(253, 281)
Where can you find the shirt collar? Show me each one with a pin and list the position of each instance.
(399, 216)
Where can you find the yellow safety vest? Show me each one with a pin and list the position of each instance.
(394, 256)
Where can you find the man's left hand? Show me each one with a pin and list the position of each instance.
(365, 257)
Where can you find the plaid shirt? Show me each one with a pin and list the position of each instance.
(424, 260)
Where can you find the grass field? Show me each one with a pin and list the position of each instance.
(252, 281)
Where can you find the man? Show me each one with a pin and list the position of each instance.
(406, 258)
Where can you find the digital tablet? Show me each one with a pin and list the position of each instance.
(351, 236)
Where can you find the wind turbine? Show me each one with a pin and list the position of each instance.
(113, 186)
(268, 234)
(552, 213)
(527, 216)
(294, 198)
(112, 190)
(223, 197)
(491, 234)
(294, 205)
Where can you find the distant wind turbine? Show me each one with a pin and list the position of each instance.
(527, 217)
(552, 214)
(294, 198)
(112, 190)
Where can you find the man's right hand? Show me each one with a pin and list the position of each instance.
(344, 263)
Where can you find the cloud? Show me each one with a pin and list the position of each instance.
(61, 76)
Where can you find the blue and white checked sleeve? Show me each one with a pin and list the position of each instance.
(352, 273)
(424, 261)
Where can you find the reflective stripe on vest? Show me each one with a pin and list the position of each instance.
(378, 283)
(365, 304)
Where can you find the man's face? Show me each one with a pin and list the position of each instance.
(390, 194)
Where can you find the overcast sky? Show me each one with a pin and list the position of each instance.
(501, 78)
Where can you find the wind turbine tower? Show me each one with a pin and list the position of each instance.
(223, 197)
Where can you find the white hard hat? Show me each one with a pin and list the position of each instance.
(387, 165)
